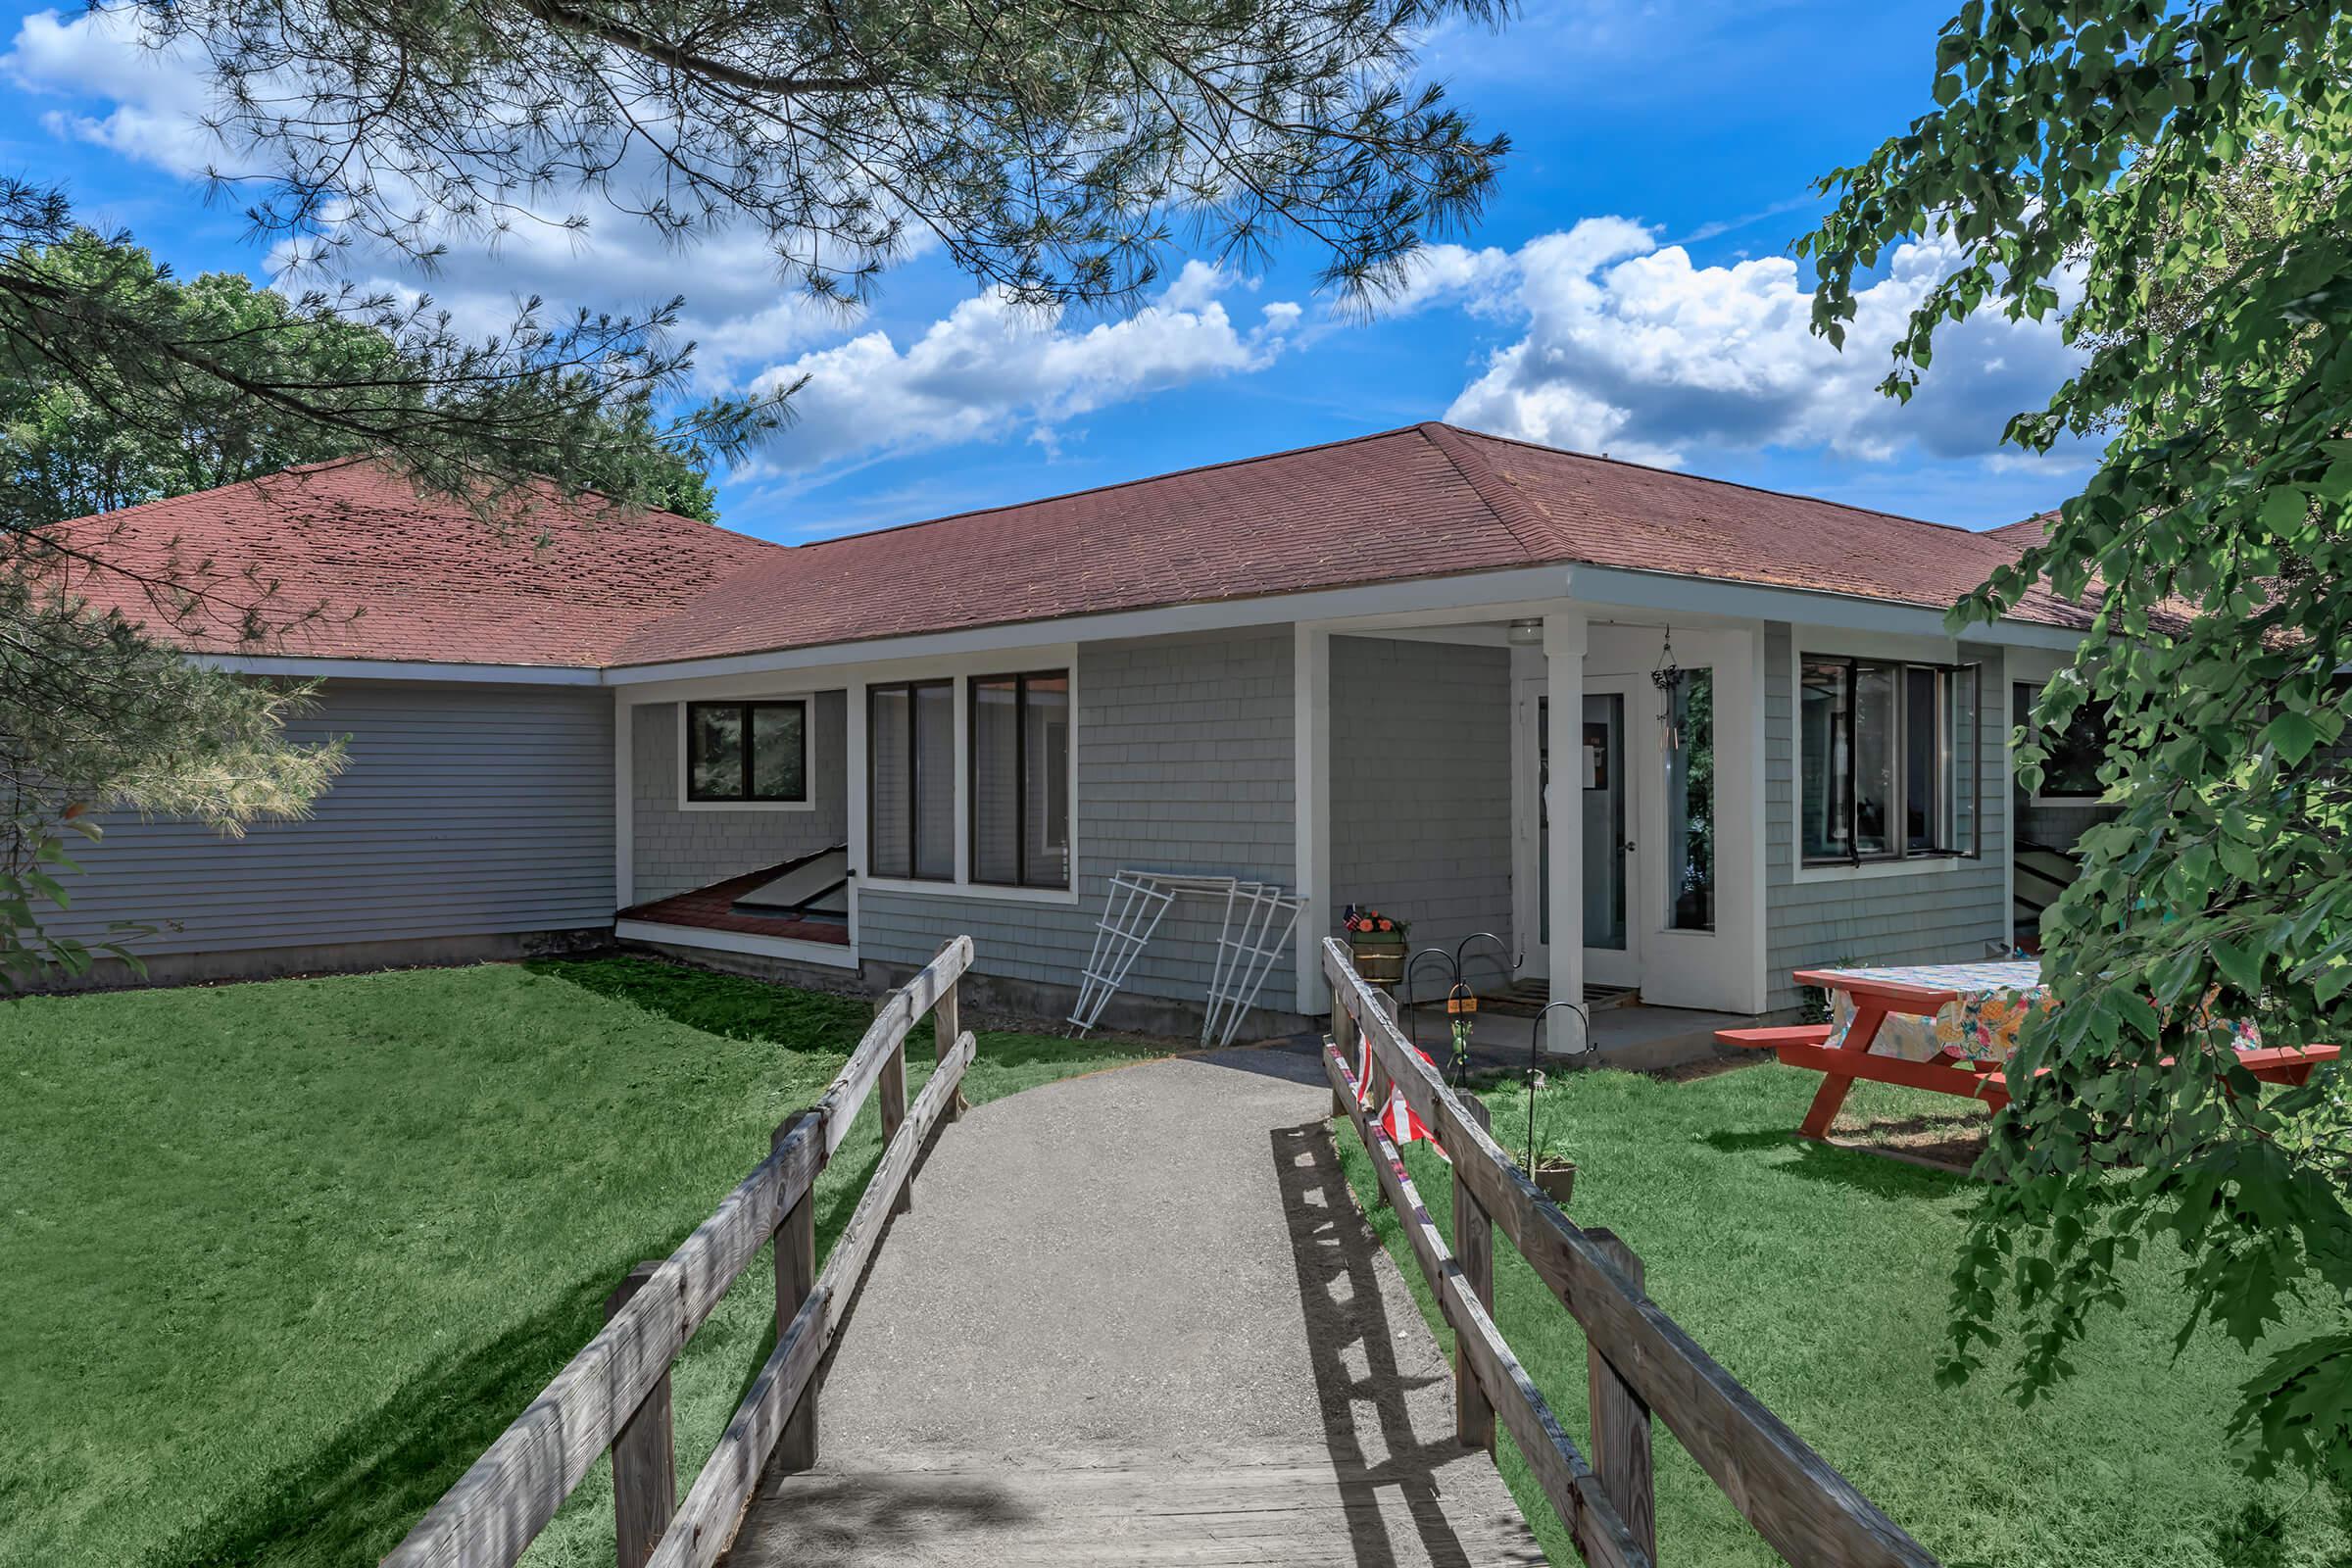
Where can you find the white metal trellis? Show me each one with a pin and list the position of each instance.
(1246, 958)
(1133, 905)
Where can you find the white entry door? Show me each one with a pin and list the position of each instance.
(1602, 784)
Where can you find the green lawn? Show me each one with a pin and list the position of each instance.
(282, 1258)
(1817, 1276)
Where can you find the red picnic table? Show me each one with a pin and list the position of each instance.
(1946, 1027)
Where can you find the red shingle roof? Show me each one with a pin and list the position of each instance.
(1425, 501)
(615, 587)
(561, 583)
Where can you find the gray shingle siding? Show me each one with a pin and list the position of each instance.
(1185, 763)
(464, 811)
(1944, 913)
(1421, 788)
(675, 848)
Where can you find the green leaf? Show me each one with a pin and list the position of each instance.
(2291, 735)
(2243, 966)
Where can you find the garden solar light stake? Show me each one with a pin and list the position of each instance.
(1535, 1062)
(1461, 1003)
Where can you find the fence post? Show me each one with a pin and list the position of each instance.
(645, 1471)
(796, 1277)
(947, 1024)
(1473, 1254)
(1621, 1453)
(1384, 1086)
(893, 1094)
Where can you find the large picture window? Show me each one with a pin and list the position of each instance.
(748, 752)
(1020, 779)
(911, 780)
(1890, 759)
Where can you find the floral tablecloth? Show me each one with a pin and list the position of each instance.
(1996, 1001)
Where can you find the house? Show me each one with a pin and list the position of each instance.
(1342, 670)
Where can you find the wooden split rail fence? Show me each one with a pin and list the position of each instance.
(614, 1395)
(1642, 1363)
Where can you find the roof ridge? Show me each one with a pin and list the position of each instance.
(1710, 479)
(1518, 513)
(1110, 485)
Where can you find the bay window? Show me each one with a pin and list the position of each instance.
(1889, 760)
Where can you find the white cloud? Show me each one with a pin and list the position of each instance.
(1632, 349)
(149, 105)
(993, 369)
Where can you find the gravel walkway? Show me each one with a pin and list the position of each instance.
(1134, 1317)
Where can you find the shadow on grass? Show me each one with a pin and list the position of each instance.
(735, 1006)
(354, 1499)
(1856, 1168)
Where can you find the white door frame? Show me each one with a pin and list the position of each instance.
(1615, 966)
(1608, 965)
(1527, 826)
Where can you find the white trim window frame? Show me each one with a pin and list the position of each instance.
(1020, 684)
(1895, 846)
(805, 801)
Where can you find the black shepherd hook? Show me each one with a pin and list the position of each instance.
(1535, 1060)
(1458, 995)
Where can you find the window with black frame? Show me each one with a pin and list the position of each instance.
(748, 753)
(911, 780)
(1020, 779)
(1889, 761)
(2071, 771)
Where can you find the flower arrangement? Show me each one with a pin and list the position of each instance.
(1370, 922)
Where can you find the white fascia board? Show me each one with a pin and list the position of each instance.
(827, 954)
(1665, 592)
(402, 669)
(1468, 591)
(1504, 593)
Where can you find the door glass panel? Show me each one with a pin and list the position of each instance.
(1689, 844)
(1602, 767)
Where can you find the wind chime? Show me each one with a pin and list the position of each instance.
(1668, 679)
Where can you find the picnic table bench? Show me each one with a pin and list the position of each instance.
(1947, 1028)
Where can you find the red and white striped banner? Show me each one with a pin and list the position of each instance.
(1395, 1118)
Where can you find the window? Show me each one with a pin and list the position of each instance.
(1020, 761)
(1888, 762)
(751, 752)
(2072, 771)
(911, 780)
(1690, 801)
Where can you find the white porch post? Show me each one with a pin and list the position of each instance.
(853, 766)
(1564, 689)
(1310, 812)
(624, 801)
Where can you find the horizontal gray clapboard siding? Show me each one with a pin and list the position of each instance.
(1940, 913)
(1421, 791)
(464, 811)
(677, 849)
(1185, 763)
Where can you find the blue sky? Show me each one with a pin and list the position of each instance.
(1629, 289)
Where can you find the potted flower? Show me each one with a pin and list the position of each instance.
(1547, 1158)
(1376, 945)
